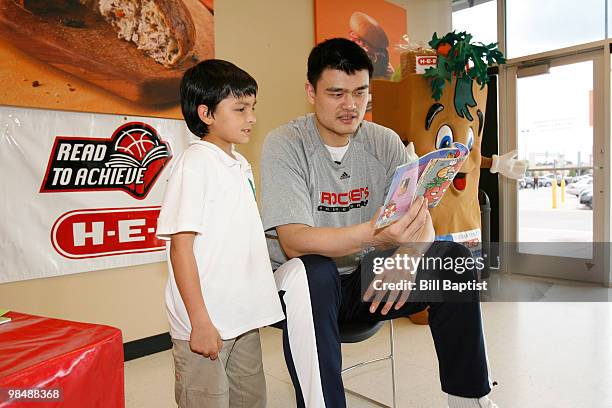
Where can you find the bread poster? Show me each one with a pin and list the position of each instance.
(122, 57)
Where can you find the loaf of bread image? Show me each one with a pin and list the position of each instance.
(163, 29)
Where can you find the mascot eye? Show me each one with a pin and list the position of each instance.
(470, 138)
(444, 138)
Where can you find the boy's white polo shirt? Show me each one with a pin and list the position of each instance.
(212, 194)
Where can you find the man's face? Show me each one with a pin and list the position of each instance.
(340, 100)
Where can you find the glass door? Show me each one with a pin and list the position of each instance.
(553, 125)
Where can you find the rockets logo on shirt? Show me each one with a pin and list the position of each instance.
(131, 160)
(343, 201)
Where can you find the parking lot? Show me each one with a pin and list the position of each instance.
(539, 222)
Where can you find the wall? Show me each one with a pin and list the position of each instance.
(272, 43)
(426, 17)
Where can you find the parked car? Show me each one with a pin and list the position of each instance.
(579, 186)
(586, 197)
(584, 177)
(568, 179)
(545, 181)
(526, 182)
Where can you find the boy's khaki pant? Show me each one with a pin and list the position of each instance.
(235, 379)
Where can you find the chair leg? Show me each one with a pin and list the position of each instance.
(392, 355)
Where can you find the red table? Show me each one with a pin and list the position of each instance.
(40, 357)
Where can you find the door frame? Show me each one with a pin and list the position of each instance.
(599, 53)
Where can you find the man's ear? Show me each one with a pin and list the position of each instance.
(204, 115)
(310, 92)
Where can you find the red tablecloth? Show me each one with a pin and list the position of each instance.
(84, 361)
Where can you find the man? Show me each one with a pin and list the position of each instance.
(324, 176)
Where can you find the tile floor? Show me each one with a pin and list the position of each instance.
(548, 355)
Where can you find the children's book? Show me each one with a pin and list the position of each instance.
(429, 176)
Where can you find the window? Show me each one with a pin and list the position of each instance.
(478, 18)
(539, 26)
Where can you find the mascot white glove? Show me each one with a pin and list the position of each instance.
(507, 165)
(410, 152)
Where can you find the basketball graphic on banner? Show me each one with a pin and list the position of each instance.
(138, 145)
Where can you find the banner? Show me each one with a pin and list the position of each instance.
(81, 191)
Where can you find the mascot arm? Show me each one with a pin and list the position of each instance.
(486, 162)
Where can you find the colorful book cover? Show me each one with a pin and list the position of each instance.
(430, 177)
(403, 187)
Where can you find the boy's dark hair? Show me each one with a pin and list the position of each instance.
(337, 53)
(208, 83)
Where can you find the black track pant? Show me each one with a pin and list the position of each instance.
(316, 299)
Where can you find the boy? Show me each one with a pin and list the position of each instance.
(220, 286)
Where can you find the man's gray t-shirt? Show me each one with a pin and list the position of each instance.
(301, 184)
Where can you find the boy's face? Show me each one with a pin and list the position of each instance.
(233, 120)
(340, 100)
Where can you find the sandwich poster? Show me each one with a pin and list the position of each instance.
(104, 56)
(81, 191)
(376, 25)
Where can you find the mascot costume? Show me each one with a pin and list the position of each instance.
(435, 107)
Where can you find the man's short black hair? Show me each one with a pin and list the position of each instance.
(208, 83)
(337, 53)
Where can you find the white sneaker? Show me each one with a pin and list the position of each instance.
(460, 402)
(485, 402)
